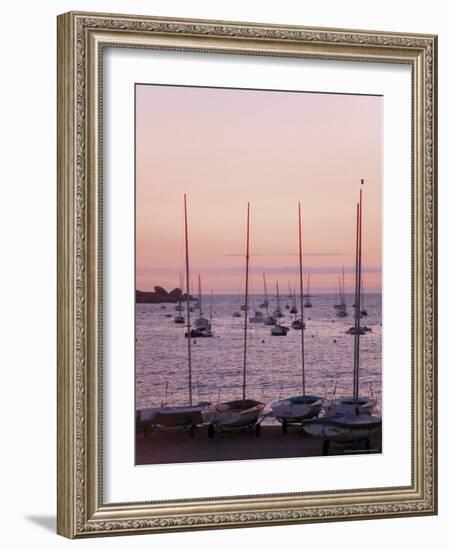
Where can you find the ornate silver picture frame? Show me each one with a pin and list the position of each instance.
(82, 40)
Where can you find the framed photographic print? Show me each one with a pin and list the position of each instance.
(246, 276)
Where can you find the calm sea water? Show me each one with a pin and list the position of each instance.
(273, 363)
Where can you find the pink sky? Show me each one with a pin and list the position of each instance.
(225, 147)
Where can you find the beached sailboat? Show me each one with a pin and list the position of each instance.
(243, 412)
(349, 419)
(188, 416)
(298, 407)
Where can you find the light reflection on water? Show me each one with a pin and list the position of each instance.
(273, 363)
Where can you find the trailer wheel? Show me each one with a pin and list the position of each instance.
(326, 445)
(210, 431)
(192, 431)
(284, 427)
(258, 430)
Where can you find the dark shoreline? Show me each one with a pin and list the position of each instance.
(179, 447)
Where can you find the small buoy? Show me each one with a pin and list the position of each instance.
(263, 341)
(313, 335)
(335, 341)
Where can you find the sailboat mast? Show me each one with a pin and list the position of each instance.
(354, 380)
(199, 296)
(245, 337)
(265, 294)
(181, 284)
(358, 298)
(211, 302)
(277, 296)
(189, 343)
(358, 274)
(301, 287)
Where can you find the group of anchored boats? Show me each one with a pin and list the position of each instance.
(344, 420)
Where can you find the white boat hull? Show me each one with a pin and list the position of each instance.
(225, 416)
(181, 417)
(287, 411)
(343, 428)
(365, 405)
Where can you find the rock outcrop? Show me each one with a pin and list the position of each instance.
(159, 296)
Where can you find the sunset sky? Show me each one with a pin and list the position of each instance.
(225, 147)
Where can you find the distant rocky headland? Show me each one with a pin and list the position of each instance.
(160, 296)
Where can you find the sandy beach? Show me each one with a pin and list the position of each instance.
(179, 447)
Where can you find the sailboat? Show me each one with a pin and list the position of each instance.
(307, 302)
(277, 313)
(265, 303)
(341, 306)
(242, 412)
(269, 319)
(363, 311)
(279, 330)
(207, 331)
(293, 308)
(297, 324)
(361, 329)
(202, 326)
(258, 317)
(299, 407)
(350, 419)
(179, 318)
(185, 416)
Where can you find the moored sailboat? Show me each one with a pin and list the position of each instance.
(294, 308)
(341, 306)
(277, 313)
(279, 330)
(202, 326)
(179, 317)
(269, 319)
(297, 324)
